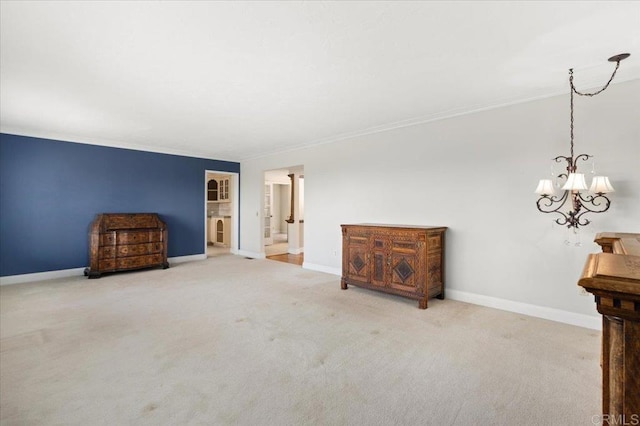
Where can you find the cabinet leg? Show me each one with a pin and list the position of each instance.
(165, 265)
(343, 284)
(422, 304)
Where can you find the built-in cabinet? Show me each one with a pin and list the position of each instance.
(219, 209)
(219, 231)
(398, 259)
(218, 190)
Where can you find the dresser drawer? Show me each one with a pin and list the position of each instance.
(138, 261)
(107, 264)
(119, 221)
(107, 252)
(139, 249)
(136, 237)
(108, 238)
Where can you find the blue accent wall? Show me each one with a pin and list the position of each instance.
(50, 192)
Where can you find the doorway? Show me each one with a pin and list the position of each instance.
(221, 213)
(282, 210)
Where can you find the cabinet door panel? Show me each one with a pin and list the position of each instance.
(404, 271)
(434, 271)
(434, 242)
(358, 267)
(380, 264)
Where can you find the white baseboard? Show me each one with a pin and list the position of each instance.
(190, 258)
(581, 320)
(65, 273)
(40, 276)
(296, 251)
(251, 254)
(322, 268)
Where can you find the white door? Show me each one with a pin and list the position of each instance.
(268, 234)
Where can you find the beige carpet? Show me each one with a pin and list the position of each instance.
(235, 341)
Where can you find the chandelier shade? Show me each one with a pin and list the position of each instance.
(575, 182)
(545, 187)
(601, 185)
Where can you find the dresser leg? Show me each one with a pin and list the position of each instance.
(88, 273)
(343, 284)
(422, 303)
(165, 265)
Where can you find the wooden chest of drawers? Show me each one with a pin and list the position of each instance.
(124, 241)
(398, 259)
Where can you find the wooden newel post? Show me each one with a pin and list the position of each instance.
(613, 277)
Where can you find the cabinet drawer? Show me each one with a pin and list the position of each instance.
(138, 249)
(128, 237)
(139, 261)
(106, 252)
(107, 264)
(400, 246)
(108, 238)
(131, 221)
(358, 240)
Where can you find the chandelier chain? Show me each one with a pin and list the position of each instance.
(574, 90)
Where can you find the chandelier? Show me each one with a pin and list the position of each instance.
(574, 196)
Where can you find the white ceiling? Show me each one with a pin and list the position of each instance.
(236, 80)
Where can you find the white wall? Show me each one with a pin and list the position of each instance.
(475, 174)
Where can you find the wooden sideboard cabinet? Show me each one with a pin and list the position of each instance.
(613, 277)
(125, 241)
(398, 259)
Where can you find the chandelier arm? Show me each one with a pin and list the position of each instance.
(594, 201)
(545, 202)
(583, 157)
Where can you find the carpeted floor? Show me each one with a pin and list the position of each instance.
(230, 340)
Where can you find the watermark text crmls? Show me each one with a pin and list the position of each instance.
(616, 419)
